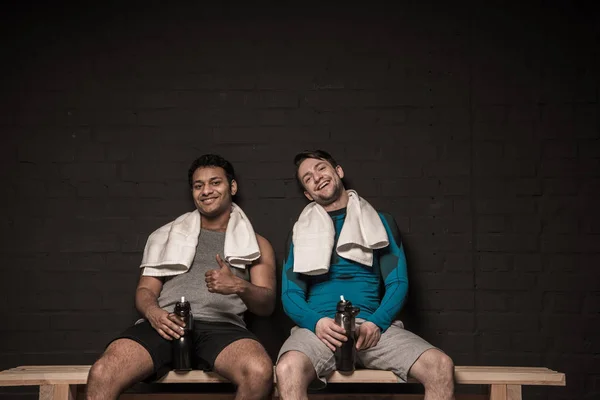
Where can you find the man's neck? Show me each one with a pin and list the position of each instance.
(218, 223)
(340, 203)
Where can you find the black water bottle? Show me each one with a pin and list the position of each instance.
(182, 347)
(345, 356)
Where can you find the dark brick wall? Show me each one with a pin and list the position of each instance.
(475, 125)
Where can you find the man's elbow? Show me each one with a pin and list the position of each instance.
(265, 312)
(266, 307)
(270, 306)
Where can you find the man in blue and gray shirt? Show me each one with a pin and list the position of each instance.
(377, 283)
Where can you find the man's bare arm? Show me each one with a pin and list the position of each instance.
(146, 295)
(259, 294)
(146, 301)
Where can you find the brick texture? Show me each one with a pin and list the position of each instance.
(477, 127)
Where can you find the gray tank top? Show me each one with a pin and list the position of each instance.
(206, 306)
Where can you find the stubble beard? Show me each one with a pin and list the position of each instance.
(335, 195)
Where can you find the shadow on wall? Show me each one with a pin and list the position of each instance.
(272, 331)
(409, 314)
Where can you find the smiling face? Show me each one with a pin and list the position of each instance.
(212, 192)
(321, 181)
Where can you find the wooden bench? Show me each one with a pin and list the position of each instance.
(67, 382)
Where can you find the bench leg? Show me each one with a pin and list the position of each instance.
(505, 392)
(58, 392)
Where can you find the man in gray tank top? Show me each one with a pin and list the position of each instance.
(219, 295)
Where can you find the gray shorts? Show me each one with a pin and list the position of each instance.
(396, 351)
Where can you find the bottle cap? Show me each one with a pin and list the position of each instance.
(343, 304)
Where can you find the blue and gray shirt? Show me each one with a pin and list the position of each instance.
(379, 290)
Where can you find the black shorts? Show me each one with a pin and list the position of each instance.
(210, 338)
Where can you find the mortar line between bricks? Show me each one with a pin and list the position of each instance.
(472, 194)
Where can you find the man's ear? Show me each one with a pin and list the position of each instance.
(308, 196)
(340, 171)
(233, 187)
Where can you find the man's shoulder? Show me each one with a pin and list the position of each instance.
(390, 222)
(386, 217)
(262, 241)
(384, 213)
(260, 237)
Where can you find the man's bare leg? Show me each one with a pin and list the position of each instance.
(294, 373)
(124, 363)
(246, 363)
(435, 370)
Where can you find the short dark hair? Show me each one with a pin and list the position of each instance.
(316, 154)
(211, 160)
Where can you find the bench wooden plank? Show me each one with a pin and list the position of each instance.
(77, 375)
(311, 396)
(509, 376)
(45, 375)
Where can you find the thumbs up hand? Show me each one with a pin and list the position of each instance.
(222, 280)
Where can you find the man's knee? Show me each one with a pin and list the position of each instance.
(293, 364)
(258, 370)
(444, 364)
(105, 369)
(439, 364)
(100, 371)
(284, 367)
(112, 366)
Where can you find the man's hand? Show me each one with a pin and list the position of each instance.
(330, 333)
(168, 325)
(368, 335)
(221, 280)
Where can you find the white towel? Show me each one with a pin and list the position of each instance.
(170, 250)
(313, 236)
